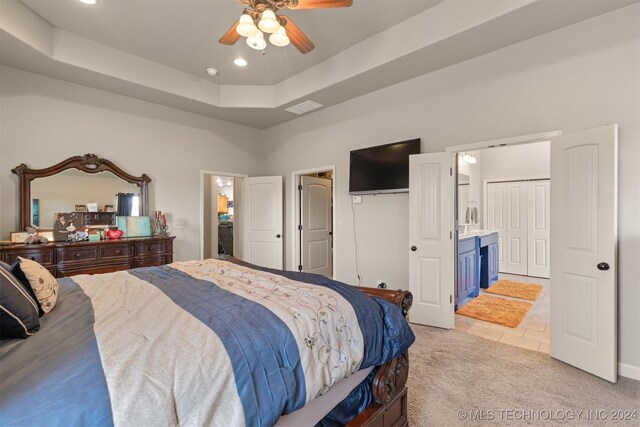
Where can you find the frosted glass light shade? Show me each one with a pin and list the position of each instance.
(257, 41)
(268, 22)
(279, 38)
(246, 27)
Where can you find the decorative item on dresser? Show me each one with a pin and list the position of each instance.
(68, 259)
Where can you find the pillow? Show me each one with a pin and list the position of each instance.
(5, 266)
(18, 274)
(18, 310)
(44, 285)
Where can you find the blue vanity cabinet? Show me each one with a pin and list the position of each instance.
(490, 260)
(468, 283)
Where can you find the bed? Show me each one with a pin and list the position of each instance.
(213, 342)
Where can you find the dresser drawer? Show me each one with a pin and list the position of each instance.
(80, 254)
(116, 251)
(150, 248)
(151, 262)
(40, 256)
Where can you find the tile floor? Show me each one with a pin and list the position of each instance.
(532, 333)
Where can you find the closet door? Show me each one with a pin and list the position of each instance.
(516, 228)
(507, 213)
(538, 235)
(495, 218)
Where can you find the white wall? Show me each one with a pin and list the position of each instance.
(580, 77)
(44, 120)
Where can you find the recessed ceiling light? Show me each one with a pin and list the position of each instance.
(240, 62)
(91, 2)
(212, 71)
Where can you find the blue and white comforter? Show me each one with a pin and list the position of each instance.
(193, 343)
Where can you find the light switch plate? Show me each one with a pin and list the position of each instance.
(356, 199)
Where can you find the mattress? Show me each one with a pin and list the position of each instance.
(195, 343)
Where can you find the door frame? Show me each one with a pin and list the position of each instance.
(474, 146)
(203, 173)
(295, 213)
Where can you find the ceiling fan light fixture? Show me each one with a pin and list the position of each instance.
(279, 38)
(257, 41)
(268, 22)
(246, 27)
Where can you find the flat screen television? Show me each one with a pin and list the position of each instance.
(382, 169)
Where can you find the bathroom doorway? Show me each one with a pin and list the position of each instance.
(502, 290)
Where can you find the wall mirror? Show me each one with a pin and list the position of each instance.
(77, 181)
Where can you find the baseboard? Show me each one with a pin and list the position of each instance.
(629, 371)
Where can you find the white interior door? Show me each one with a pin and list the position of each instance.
(262, 220)
(495, 218)
(507, 213)
(431, 239)
(516, 231)
(538, 234)
(316, 214)
(583, 250)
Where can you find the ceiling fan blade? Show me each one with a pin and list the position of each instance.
(231, 36)
(321, 4)
(297, 37)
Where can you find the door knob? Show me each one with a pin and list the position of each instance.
(413, 248)
(603, 266)
(278, 236)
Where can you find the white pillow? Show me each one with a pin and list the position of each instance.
(44, 285)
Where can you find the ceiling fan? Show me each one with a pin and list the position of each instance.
(260, 17)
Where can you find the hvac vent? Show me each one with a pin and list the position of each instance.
(303, 107)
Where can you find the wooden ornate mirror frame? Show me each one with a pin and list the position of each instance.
(89, 163)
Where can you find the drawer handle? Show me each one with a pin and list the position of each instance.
(78, 255)
(117, 252)
(150, 248)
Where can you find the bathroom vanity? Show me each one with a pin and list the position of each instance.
(478, 261)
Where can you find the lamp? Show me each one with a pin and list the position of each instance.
(268, 22)
(279, 38)
(466, 157)
(257, 41)
(246, 27)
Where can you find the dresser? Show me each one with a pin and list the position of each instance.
(68, 259)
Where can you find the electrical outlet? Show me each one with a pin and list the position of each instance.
(178, 225)
(357, 199)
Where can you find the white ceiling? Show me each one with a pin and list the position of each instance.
(183, 34)
(158, 50)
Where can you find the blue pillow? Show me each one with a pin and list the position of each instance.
(18, 310)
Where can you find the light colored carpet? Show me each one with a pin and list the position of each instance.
(509, 288)
(505, 312)
(451, 371)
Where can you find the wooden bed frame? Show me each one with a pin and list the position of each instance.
(389, 406)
